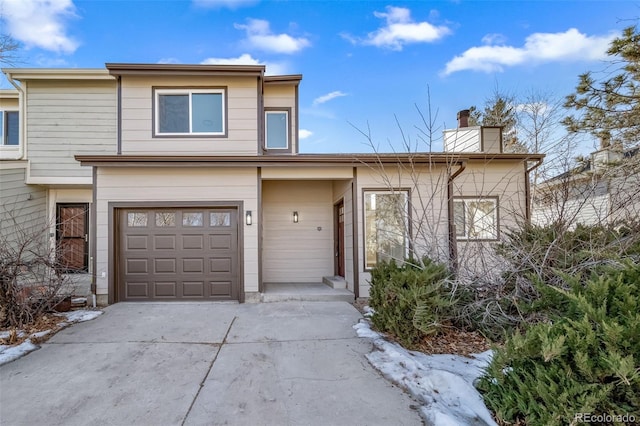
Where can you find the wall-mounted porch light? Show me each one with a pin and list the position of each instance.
(295, 217)
(248, 218)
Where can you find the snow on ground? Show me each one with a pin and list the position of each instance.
(10, 353)
(442, 384)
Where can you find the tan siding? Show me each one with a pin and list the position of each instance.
(23, 208)
(66, 118)
(10, 103)
(177, 184)
(242, 114)
(307, 172)
(297, 252)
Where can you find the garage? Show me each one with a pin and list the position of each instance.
(177, 254)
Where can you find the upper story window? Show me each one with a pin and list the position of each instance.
(277, 129)
(195, 112)
(476, 218)
(9, 128)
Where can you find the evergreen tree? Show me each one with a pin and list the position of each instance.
(609, 108)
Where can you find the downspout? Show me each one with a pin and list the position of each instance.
(527, 188)
(453, 246)
(23, 115)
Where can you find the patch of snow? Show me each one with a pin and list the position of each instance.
(4, 334)
(443, 384)
(80, 315)
(79, 300)
(11, 353)
(368, 311)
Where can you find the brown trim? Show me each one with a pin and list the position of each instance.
(260, 231)
(225, 108)
(289, 132)
(355, 233)
(293, 160)
(114, 234)
(119, 115)
(453, 242)
(183, 69)
(283, 79)
(93, 229)
(527, 188)
(475, 197)
(296, 130)
(336, 238)
(409, 220)
(260, 117)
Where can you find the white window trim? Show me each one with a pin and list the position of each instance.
(190, 92)
(465, 235)
(266, 130)
(407, 219)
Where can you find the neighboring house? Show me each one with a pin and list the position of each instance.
(184, 182)
(604, 188)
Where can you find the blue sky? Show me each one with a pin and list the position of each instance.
(367, 66)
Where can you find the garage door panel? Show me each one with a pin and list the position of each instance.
(193, 242)
(193, 266)
(137, 289)
(220, 288)
(164, 266)
(137, 242)
(193, 289)
(164, 242)
(165, 289)
(178, 253)
(137, 266)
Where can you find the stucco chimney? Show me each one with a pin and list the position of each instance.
(463, 118)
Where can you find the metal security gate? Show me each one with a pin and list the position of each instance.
(177, 254)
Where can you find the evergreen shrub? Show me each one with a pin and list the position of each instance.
(586, 361)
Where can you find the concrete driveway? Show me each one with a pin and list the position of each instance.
(294, 363)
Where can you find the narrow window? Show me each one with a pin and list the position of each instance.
(476, 218)
(9, 128)
(277, 129)
(386, 226)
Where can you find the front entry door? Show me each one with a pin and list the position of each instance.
(339, 238)
(72, 237)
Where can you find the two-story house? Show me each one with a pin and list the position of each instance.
(185, 182)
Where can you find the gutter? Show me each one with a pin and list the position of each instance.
(23, 116)
(453, 246)
(527, 188)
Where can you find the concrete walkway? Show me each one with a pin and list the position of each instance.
(291, 363)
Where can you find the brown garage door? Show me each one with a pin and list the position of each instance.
(178, 254)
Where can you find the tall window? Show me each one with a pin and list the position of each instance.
(277, 129)
(386, 226)
(9, 128)
(476, 218)
(190, 112)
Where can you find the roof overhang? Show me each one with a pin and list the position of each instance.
(183, 69)
(307, 160)
(283, 79)
(23, 74)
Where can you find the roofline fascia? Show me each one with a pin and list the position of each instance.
(22, 74)
(293, 160)
(183, 69)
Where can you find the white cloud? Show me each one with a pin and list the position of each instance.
(494, 39)
(570, 45)
(169, 61)
(272, 68)
(259, 36)
(326, 98)
(40, 23)
(304, 134)
(220, 4)
(400, 30)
